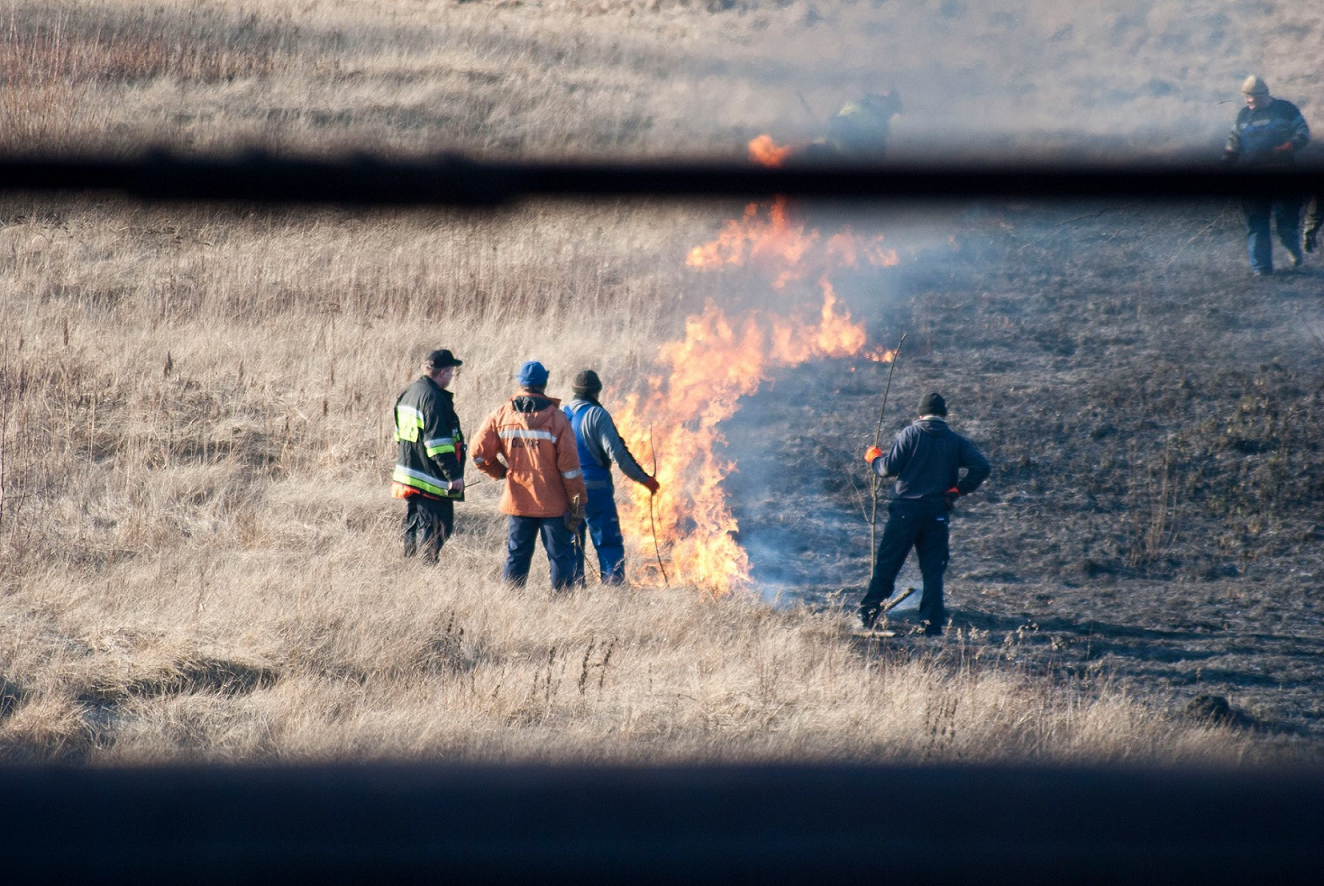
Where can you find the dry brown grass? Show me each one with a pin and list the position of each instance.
(199, 559)
(197, 555)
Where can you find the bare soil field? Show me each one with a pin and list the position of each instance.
(198, 559)
(1153, 415)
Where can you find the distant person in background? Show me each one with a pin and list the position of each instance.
(1268, 134)
(858, 131)
(528, 443)
(599, 445)
(1314, 221)
(926, 459)
(429, 468)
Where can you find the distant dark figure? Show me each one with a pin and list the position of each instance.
(429, 469)
(859, 130)
(926, 458)
(1268, 134)
(1314, 221)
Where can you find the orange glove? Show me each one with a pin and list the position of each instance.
(872, 453)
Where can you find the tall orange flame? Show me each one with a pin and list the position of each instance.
(702, 378)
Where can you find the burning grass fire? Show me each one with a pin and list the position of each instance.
(722, 358)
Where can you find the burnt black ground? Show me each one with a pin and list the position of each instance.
(1155, 419)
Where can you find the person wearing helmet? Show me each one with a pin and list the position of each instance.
(1267, 134)
(600, 444)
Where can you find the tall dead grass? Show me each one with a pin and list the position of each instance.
(197, 556)
(200, 562)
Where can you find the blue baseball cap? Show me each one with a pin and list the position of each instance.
(532, 375)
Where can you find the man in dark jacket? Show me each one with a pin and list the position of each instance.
(1268, 134)
(429, 469)
(926, 458)
(599, 445)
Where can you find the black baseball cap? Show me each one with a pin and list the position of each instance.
(441, 358)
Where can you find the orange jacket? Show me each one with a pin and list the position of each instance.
(541, 456)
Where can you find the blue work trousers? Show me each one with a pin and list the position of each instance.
(1285, 213)
(522, 536)
(603, 525)
(921, 524)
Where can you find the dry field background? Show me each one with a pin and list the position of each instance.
(198, 559)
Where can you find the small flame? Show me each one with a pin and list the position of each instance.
(766, 152)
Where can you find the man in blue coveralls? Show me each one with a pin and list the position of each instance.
(926, 458)
(1268, 134)
(599, 445)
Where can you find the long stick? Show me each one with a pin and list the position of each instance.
(652, 525)
(874, 480)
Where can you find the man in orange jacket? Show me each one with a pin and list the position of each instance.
(528, 442)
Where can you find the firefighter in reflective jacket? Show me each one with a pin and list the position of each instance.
(528, 444)
(429, 470)
(599, 445)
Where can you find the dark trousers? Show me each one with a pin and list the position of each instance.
(921, 525)
(1285, 213)
(603, 525)
(428, 523)
(522, 536)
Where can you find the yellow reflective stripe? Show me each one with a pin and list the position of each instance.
(408, 424)
(439, 445)
(419, 480)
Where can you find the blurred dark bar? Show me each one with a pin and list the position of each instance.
(398, 823)
(456, 181)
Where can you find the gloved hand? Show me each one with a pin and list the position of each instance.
(651, 484)
(1312, 241)
(872, 453)
(456, 485)
(575, 515)
(950, 496)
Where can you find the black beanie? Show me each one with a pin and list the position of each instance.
(933, 404)
(586, 382)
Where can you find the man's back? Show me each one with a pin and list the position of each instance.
(926, 459)
(542, 469)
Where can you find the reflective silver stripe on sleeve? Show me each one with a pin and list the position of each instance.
(525, 434)
(439, 441)
(479, 461)
(570, 475)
